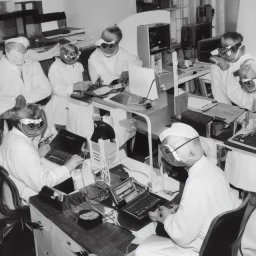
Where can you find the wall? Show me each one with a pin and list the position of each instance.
(53, 6)
(96, 15)
(245, 24)
(231, 10)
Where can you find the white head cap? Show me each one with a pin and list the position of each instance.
(20, 40)
(179, 130)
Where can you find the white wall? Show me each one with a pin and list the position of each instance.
(96, 15)
(245, 24)
(53, 6)
(231, 14)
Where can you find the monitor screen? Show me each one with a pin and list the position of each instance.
(123, 191)
(191, 34)
(205, 46)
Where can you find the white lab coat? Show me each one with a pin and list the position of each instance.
(226, 87)
(62, 78)
(110, 68)
(30, 81)
(34, 86)
(23, 163)
(206, 195)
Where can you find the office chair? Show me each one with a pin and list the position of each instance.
(225, 232)
(12, 212)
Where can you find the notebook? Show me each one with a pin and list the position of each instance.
(132, 202)
(64, 146)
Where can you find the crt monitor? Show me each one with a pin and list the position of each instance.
(205, 46)
(192, 33)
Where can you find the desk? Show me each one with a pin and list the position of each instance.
(62, 236)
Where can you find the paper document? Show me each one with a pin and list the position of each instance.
(198, 103)
(106, 89)
(50, 25)
(142, 82)
(227, 112)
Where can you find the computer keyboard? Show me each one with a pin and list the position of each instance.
(141, 205)
(57, 156)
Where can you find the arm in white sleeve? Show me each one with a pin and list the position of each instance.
(43, 87)
(57, 84)
(132, 59)
(97, 69)
(218, 86)
(57, 80)
(240, 97)
(184, 226)
(33, 55)
(32, 172)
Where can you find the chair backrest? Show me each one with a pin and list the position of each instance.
(10, 200)
(224, 235)
(130, 24)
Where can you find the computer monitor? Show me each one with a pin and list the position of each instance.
(192, 33)
(205, 46)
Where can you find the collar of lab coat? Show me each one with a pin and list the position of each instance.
(201, 163)
(14, 67)
(18, 132)
(58, 60)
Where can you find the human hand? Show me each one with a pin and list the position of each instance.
(182, 64)
(82, 86)
(43, 149)
(124, 77)
(72, 163)
(20, 102)
(223, 64)
(164, 212)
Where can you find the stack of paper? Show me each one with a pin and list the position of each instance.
(199, 104)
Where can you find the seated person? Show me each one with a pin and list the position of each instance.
(22, 160)
(25, 77)
(239, 176)
(109, 61)
(206, 195)
(66, 76)
(230, 57)
(40, 56)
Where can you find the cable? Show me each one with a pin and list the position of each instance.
(143, 100)
(126, 251)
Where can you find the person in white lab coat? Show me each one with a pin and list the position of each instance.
(66, 77)
(22, 160)
(25, 77)
(206, 194)
(110, 61)
(240, 167)
(225, 86)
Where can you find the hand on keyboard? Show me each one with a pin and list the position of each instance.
(43, 149)
(74, 162)
(161, 213)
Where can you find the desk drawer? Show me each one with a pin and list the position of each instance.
(39, 217)
(65, 242)
(43, 244)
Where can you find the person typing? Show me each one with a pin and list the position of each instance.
(206, 194)
(22, 159)
(109, 60)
